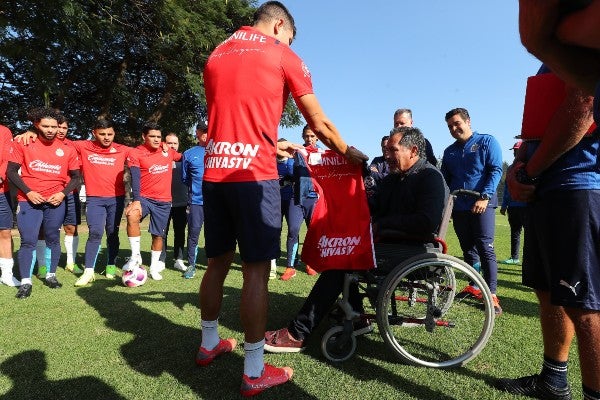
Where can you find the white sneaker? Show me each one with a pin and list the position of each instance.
(155, 275)
(179, 265)
(87, 277)
(132, 262)
(10, 281)
(160, 266)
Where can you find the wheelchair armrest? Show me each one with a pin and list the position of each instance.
(397, 236)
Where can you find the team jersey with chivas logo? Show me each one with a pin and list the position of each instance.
(44, 166)
(5, 144)
(247, 80)
(156, 171)
(102, 167)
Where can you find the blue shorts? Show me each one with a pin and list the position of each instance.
(159, 215)
(72, 209)
(6, 212)
(561, 253)
(248, 213)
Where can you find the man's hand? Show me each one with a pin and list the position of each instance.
(479, 206)
(287, 149)
(35, 197)
(518, 191)
(355, 156)
(134, 207)
(26, 138)
(56, 198)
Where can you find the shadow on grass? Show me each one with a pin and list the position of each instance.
(161, 346)
(27, 371)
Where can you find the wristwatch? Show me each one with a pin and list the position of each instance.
(522, 177)
(484, 196)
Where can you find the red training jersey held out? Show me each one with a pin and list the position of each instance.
(156, 171)
(247, 81)
(44, 166)
(102, 167)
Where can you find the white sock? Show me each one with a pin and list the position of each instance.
(254, 360)
(154, 257)
(75, 247)
(210, 334)
(26, 281)
(40, 253)
(50, 275)
(134, 242)
(69, 249)
(6, 266)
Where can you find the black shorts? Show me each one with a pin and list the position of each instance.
(561, 253)
(246, 213)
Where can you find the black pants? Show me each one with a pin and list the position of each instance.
(321, 298)
(179, 217)
(516, 220)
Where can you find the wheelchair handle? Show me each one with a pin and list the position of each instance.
(465, 192)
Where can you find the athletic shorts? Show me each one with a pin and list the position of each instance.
(6, 212)
(561, 251)
(159, 215)
(248, 213)
(72, 209)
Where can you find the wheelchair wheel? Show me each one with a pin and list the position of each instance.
(338, 346)
(423, 319)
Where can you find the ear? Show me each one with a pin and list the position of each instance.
(278, 26)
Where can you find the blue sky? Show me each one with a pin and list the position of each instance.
(369, 58)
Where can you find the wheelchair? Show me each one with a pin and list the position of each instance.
(415, 294)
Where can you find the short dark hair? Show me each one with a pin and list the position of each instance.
(271, 10)
(464, 114)
(149, 126)
(61, 119)
(384, 139)
(306, 128)
(411, 136)
(103, 123)
(401, 111)
(202, 126)
(37, 114)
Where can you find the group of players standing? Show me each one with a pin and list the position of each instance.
(47, 170)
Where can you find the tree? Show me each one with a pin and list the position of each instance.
(130, 60)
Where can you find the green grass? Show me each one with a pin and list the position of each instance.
(106, 341)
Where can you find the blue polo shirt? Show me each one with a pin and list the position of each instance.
(474, 165)
(192, 173)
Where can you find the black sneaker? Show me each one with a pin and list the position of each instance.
(533, 386)
(53, 283)
(24, 291)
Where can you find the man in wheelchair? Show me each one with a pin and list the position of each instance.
(407, 206)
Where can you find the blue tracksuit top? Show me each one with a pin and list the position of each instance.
(474, 165)
(192, 173)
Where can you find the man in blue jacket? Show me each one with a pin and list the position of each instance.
(474, 162)
(192, 173)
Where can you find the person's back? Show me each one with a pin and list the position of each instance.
(245, 104)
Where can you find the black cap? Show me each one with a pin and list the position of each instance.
(202, 126)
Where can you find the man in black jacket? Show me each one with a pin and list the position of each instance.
(410, 198)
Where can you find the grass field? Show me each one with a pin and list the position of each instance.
(106, 341)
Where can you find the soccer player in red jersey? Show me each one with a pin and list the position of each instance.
(49, 171)
(151, 166)
(248, 79)
(6, 214)
(102, 164)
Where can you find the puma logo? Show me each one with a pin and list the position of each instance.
(569, 286)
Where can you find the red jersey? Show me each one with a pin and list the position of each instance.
(247, 80)
(44, 166)
(102, 167)
(156, 171)
(5, 145)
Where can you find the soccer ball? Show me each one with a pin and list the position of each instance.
(135, 277)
